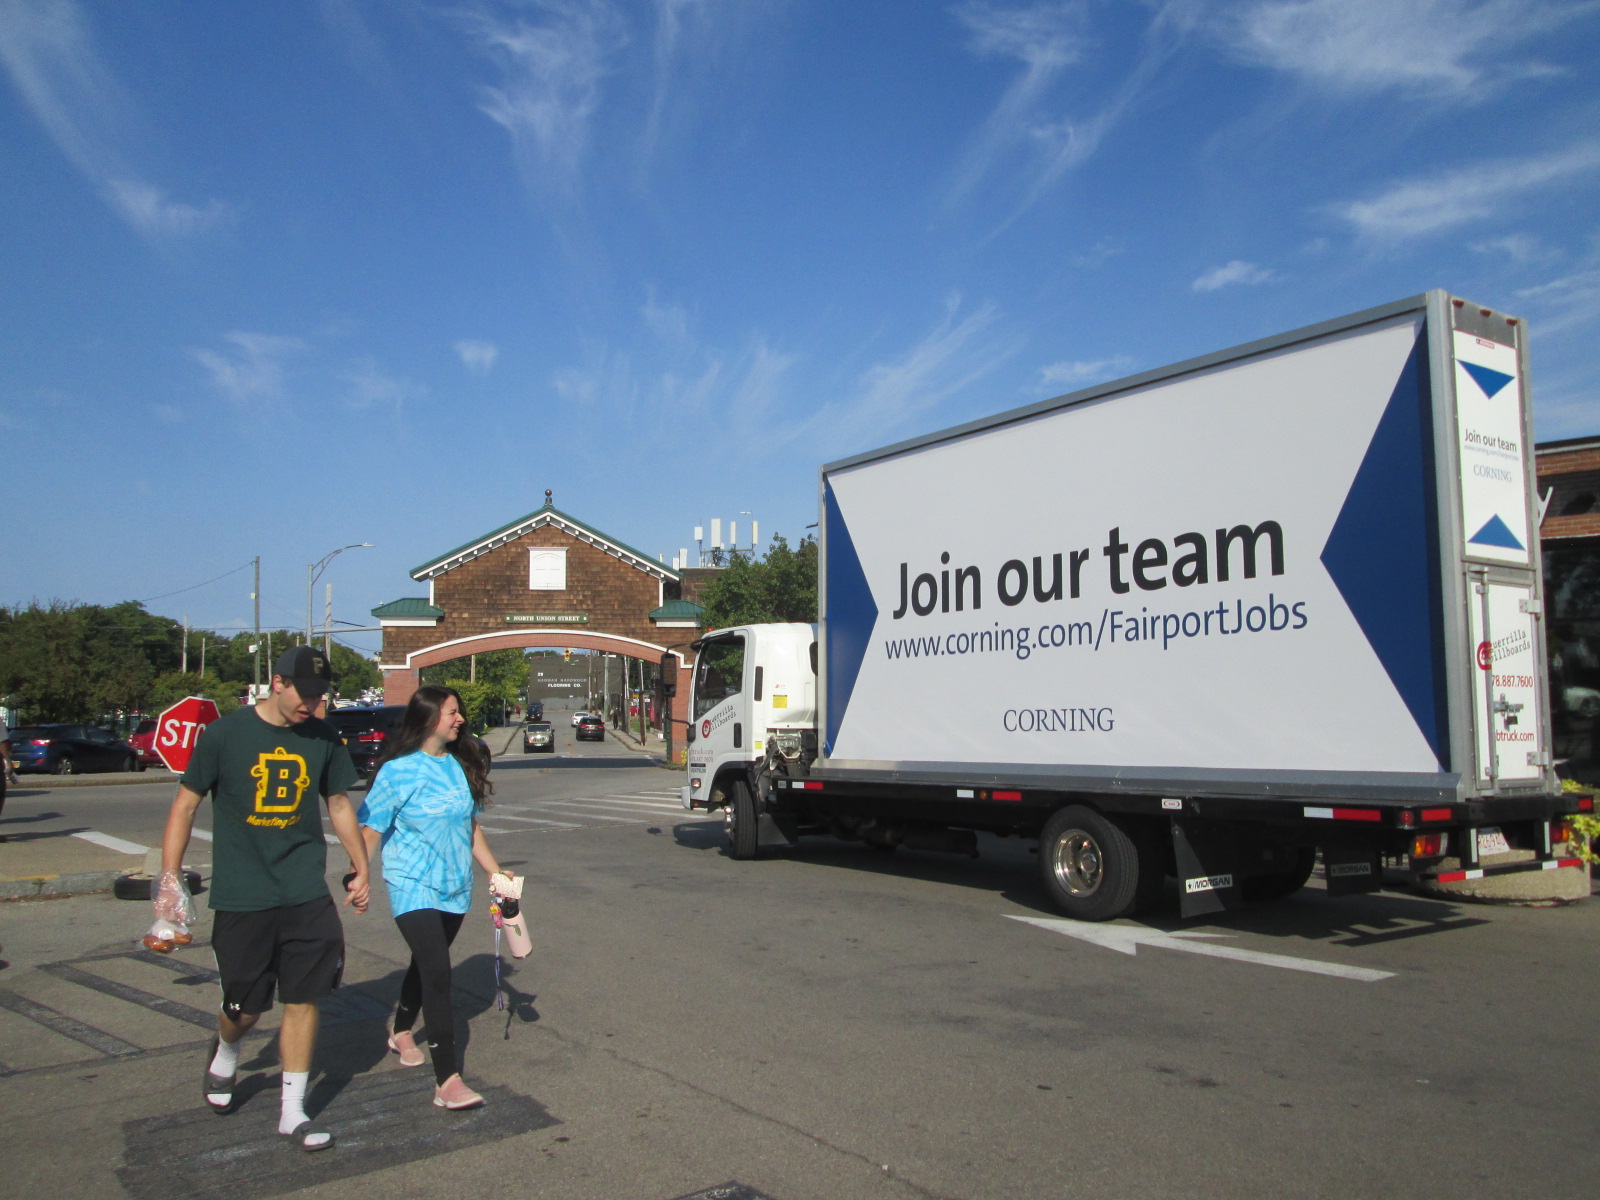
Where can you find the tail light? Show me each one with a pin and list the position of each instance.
(372, 736)
(1427, 845)
(1560, 831)
(40, 742)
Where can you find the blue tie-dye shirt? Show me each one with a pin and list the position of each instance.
(423, 808)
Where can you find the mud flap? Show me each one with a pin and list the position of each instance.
(770, 831)
(1351, 870)
(1207, 864)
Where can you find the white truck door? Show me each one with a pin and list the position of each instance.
(1507, 712)
(722, 729)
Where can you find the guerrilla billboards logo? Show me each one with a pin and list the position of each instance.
(1190, 560)
(715, 722)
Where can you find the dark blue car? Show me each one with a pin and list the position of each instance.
(70, 749)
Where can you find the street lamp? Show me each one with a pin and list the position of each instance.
(314, 572)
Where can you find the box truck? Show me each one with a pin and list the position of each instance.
(1212, 622)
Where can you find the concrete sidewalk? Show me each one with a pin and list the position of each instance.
(39, 865)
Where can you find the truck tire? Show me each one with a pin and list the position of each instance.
(1280, 883)
(1089, 864)
(741, 821)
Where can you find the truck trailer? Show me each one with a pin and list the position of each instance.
(1219, 621)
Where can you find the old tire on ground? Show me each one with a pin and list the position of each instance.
(741, 821)
(1281, 883)
(1089, 864)
(65, 765)
(137, 885)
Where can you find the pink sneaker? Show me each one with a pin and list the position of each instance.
(403, 1044)
(454, 1093)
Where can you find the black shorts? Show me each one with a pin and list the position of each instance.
(298, 949)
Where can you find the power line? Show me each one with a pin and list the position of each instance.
(181, 591)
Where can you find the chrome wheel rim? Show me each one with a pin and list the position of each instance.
(1078, 865)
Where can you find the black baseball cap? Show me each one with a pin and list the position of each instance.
(307, 668)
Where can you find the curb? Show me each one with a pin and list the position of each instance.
(101, 779)
(41, 887)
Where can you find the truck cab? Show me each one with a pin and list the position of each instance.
(753, 714)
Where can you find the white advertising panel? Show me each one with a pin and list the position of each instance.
(1494, 462)
(1506, 691)
(1195, 574)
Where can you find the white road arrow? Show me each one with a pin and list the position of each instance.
(1128, 939)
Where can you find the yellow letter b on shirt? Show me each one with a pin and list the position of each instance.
(281, 780)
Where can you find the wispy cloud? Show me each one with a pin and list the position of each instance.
(1027, 134)
(888, 396)
(1235, 272)
(369, 386)
(552, 68)
(1521, 248)
(49, 54)
(1570, 302)
(1416, 208)
(1443, 47)
(250, 373)
(478, 357)
(1070, 375)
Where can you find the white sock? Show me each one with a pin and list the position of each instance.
(226, 1062)
(293, 1113)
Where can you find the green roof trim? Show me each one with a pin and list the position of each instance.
(415, 607)
(678, 610)
(547, 515)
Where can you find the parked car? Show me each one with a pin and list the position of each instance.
(71, 749)
(591, 729)
(538, 736)
(366, 732)
(143, 739)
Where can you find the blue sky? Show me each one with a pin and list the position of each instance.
(283, 277)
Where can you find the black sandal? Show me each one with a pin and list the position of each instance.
(304, 1132)
(218, 1085)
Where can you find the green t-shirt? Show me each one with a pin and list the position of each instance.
(265, 781)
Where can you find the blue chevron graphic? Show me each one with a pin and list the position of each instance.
(852, 613)
(1490, 381)
(1496, 532)
(1382, 552)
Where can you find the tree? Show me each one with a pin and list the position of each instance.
(173, 686)
(74, 662)
(780, 587)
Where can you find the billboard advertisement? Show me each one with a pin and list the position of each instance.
(1233, 568)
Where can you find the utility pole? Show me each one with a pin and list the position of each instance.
(327, 624)
(202, 654)
(183, 657)
(255, 693)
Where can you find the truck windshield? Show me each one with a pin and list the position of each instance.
(718, 673)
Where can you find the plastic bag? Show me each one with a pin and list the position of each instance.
(164, 935)
(174, 913)
(505, 907)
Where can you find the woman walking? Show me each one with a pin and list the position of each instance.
(422, 808)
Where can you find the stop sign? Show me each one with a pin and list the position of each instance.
(180, 727)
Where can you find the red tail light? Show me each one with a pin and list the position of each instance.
(372, 735)
(1427, 845)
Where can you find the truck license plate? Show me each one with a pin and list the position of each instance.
(1492, 841)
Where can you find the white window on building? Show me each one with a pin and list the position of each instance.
(547, 570)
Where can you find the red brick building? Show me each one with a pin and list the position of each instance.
(544, 580)
(1569, 491)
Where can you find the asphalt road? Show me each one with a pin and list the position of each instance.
(828, 1022)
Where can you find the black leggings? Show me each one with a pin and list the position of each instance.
(426, 986)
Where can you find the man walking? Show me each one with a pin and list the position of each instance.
(274, 925)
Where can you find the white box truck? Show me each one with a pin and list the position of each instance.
(1205, 622)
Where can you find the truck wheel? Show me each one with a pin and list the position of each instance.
(741, 820)
(1090, 865)
(1280, 883)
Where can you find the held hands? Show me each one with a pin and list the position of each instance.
(358, 890)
